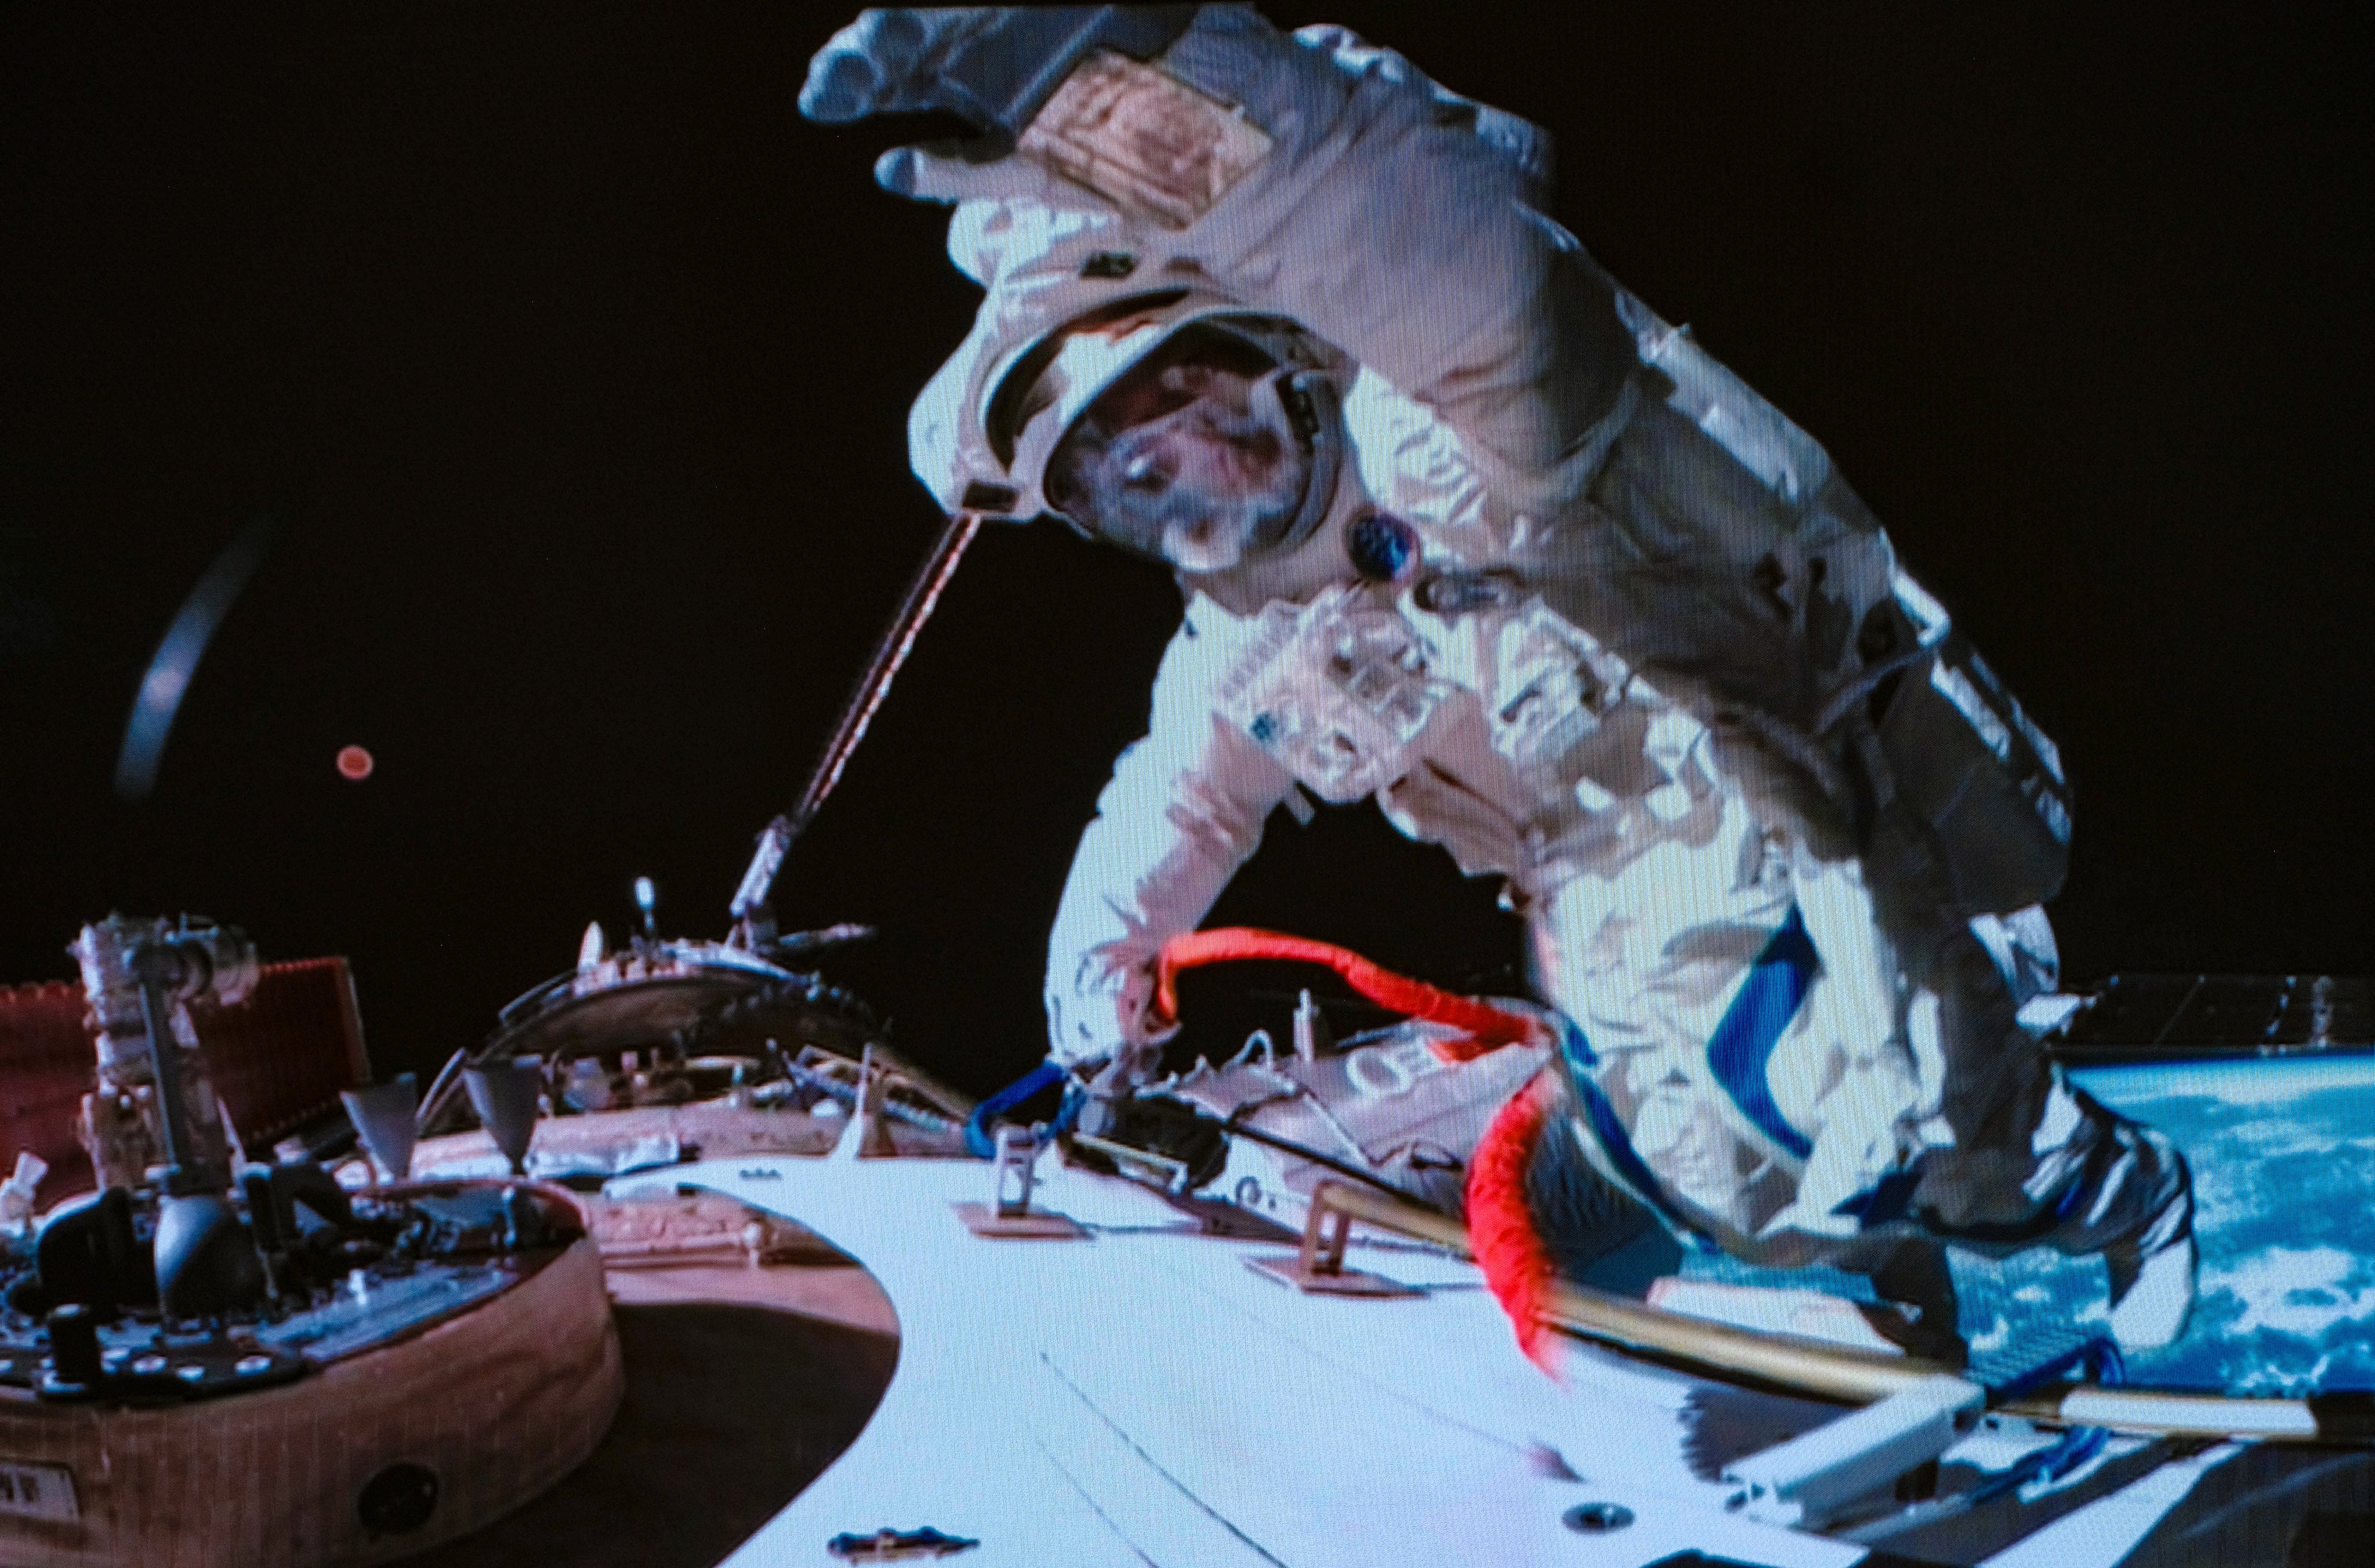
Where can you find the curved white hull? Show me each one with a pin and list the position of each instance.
(1144, 1397)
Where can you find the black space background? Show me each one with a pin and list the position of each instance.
(577, 367)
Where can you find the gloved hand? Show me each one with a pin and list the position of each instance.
(887, 61)
(997, 66)
(994, 66)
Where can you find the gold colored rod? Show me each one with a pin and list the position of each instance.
(1835, 1371)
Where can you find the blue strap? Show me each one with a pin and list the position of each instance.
(2097, 1358)
(1767, 999)
(981, 1142)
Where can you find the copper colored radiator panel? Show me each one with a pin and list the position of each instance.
(46, 1060)
(278, 1060)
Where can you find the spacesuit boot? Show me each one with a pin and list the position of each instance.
(2100, 1183)
(2132, 1200)
(2152, 1274)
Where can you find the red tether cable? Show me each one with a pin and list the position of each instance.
(1488, 1028)
(1508, 1250)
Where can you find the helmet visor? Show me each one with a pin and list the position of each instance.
(1190, 458)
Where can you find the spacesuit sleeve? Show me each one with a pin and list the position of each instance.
(1400, 222)
(1184, 809)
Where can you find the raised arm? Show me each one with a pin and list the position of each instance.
(1308, 175)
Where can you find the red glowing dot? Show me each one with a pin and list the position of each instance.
(354, 763)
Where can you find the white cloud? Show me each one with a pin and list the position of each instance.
(2304, 1291)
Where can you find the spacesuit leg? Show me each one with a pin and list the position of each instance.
(2036, 1160)
(1597, 1234)
(1642, 959)
(2011, 1157)
(1677, 983)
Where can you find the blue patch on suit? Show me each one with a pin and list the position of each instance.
(1382, 547)
(1742, 1047)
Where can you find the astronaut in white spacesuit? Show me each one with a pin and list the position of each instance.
(1464, 528)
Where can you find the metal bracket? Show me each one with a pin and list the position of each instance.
(867, 1137)
(1318, 1269)
(1018, 1167)
(1009, 1215)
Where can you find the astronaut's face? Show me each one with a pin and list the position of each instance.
(1190, 458)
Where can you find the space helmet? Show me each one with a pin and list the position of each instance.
(1174, 423)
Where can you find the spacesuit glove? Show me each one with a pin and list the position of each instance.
(990, 65)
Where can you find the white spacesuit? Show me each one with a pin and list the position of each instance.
(1465, 528)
